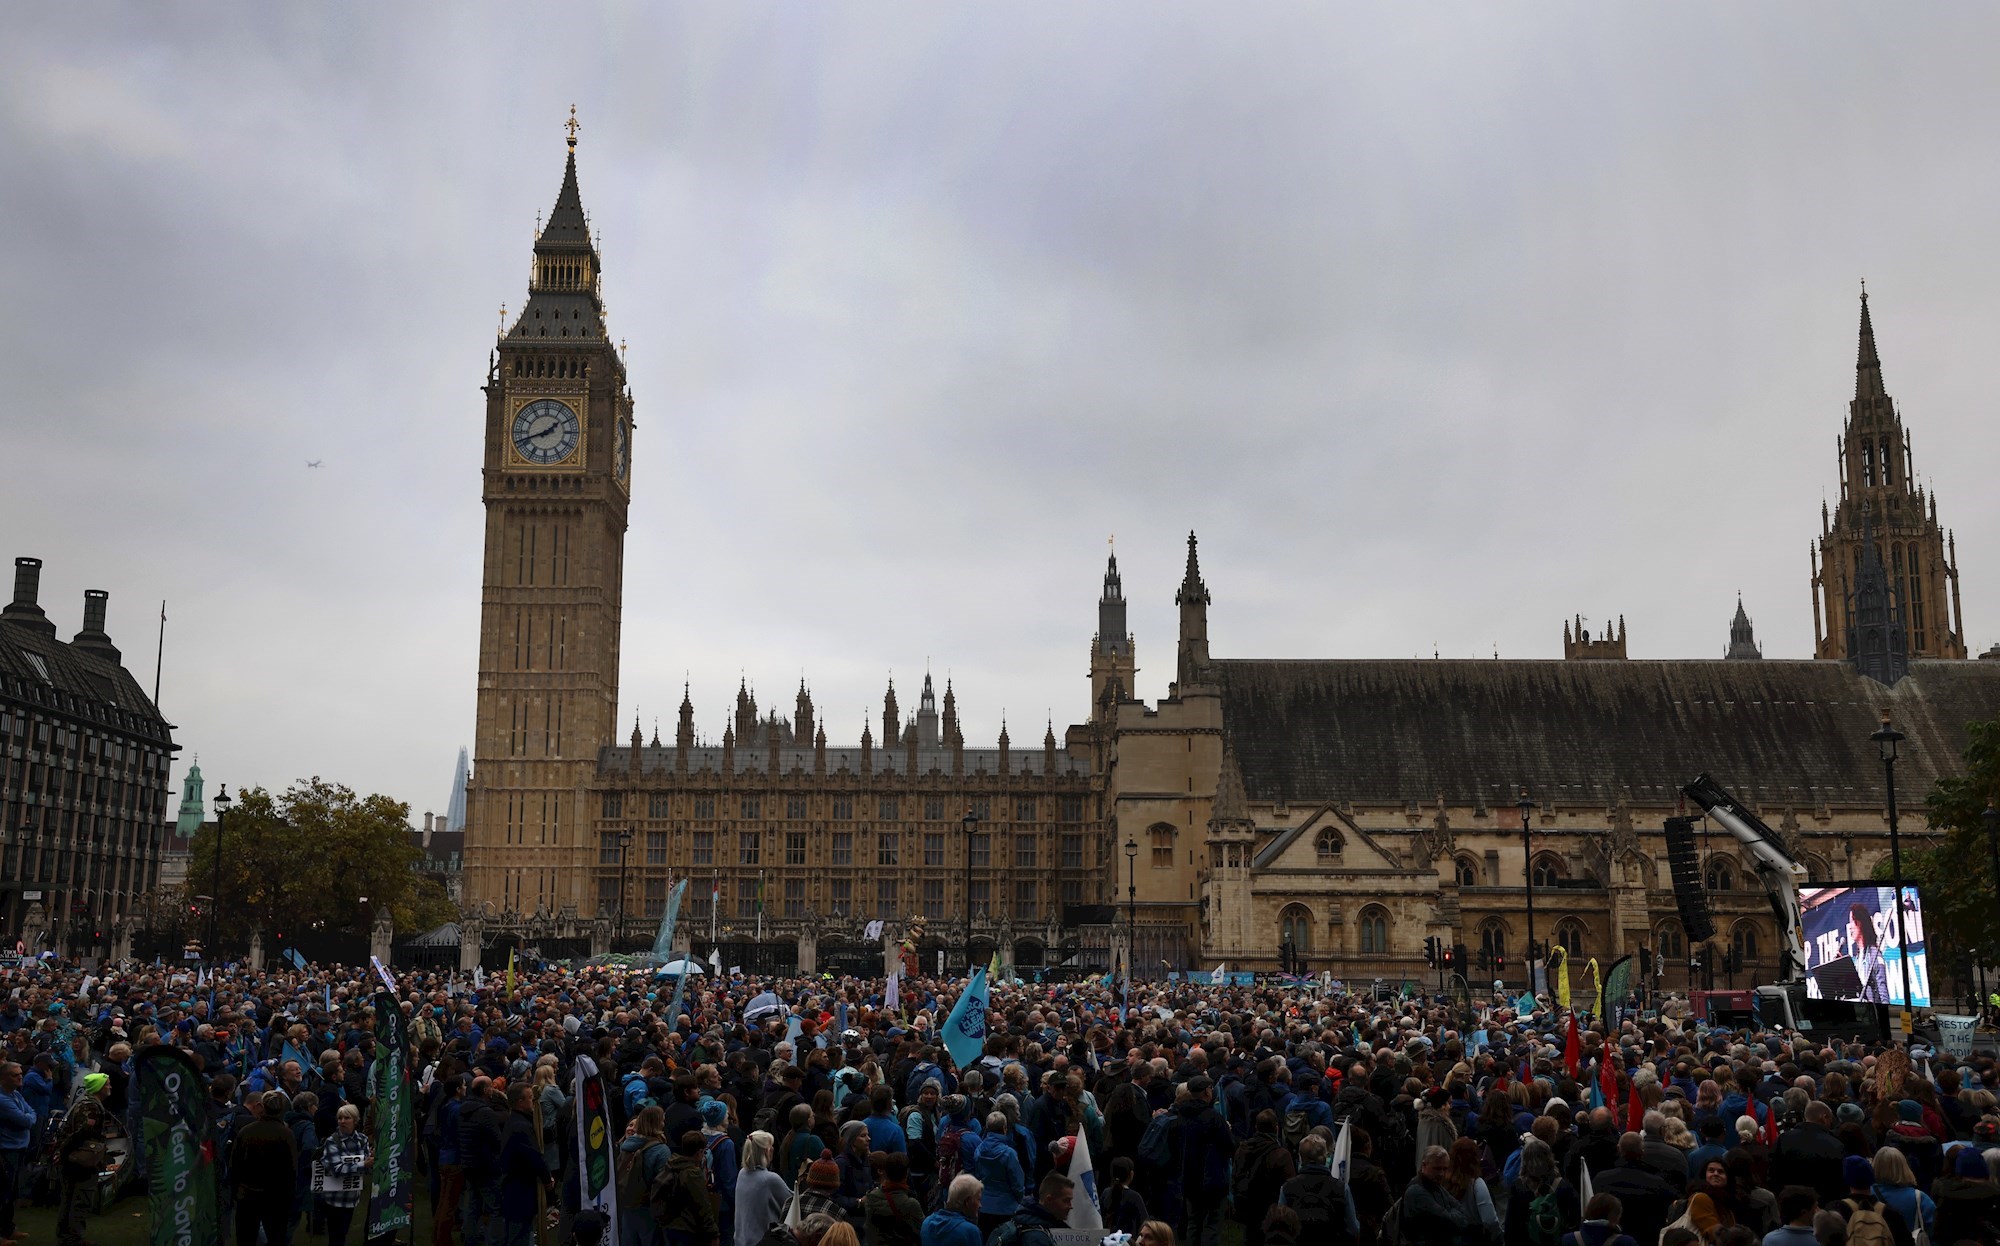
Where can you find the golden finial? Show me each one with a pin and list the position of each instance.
(503, 319)
(571, 126)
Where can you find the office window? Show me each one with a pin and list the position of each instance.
(982, 850)
(704, 806)
(703, 852)
(607, 848)
(795, 807)
(1072, 852)
(795, 848)
(933, 808)
(933, 849)
(885, 808)
(656, 847)
(614, 804)
(749, 807)
(1024, 852)
(841, 893)
(933, 897)
(843, 809)
(795, 897)
(749, 848)
(888, 897)
(1024, 809)
(843, 848)
(659, 806)
(982, 894)
(1072, 808)
(1024, 901)
(982, 808)
(887, 848)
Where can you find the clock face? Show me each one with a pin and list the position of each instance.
(621, 452)
(546, 431)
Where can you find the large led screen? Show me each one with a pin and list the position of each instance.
(1852, 951)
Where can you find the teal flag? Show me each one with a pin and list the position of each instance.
(180, 1169)
(680, 989)
(1525, 1005)
(391, 1193)
(663, 943)
(965, 1028)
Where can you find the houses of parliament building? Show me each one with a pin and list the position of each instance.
(1347, 808)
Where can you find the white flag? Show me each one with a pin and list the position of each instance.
(1215, 975)
(1343, 1151)
(892, 994)
(1584, 1193)
(715, 960)
(1083, 1213)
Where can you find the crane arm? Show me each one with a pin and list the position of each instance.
(1778, 871)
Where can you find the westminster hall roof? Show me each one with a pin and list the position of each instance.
(1408, 731)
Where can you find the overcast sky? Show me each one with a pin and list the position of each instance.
(1440, 324)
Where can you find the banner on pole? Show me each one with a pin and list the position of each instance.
(173, 1121)
(593, 1143)
(391, 1191)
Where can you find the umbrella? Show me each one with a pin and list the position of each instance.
(681, 966)
(763, 1006)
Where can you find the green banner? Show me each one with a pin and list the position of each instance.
(390, 1187)
(1617, 985)
(593, 1140)
(173, 1123)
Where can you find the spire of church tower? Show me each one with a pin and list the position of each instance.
(1742, 641)
(927, 715)
(803, 717)
(1867, 363)
(1878, 638)
(892, 718)
(564, 294)
(1192, 664)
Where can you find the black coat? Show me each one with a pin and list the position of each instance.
(1646, 1199)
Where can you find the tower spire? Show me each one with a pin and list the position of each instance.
(1867, 363)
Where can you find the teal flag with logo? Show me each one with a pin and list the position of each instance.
(663, 942)
(391, 1192)
(965, 1028)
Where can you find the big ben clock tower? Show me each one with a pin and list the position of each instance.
(557, 481)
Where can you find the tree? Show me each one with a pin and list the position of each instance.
(1955, 874)
(305, 858)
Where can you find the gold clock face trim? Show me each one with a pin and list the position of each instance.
(547, 432)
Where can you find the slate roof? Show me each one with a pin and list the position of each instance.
(1772, 732)
(613, 760)
(37, 667)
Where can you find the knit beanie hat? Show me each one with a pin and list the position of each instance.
(1857, 1173)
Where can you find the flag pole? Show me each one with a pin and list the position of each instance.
(159, 654)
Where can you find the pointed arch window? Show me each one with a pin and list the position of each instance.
(1547, 871)
(1468, 872)
(1327, 846)
(1743, 941)
(1668, 943)
(1721, 875)
(1162, 836)
(1374, 930)
(1493, 939)
(1295, 927)
(1569, 933)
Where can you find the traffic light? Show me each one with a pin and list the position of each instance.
(1431, 950)
(1645, 962)
(1447, 957)
(1499, 962)
(1458, 960)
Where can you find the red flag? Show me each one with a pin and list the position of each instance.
(1607, 1080)
(1771, 1122)
(1573, 1049)
(1635, 1112)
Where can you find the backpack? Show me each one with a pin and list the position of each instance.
(950, 1153)
(708, 1169)
(1867, 1226)
(1320, 1205)
(1249, 1177)
(891, 1229)
(666, 1197)
(1545, 1217)
(632, 1175)
(1296, 1126)
(921, 1144)
(1156, 1145)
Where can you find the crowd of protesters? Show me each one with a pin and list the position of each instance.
(809, 1112)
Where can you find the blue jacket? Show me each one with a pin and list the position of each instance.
(17, 1121)
(40, 1093)
(998, 1166)
(884, 1134)
(948, 1228)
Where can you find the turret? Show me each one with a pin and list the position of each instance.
(1111, 656)
(892, 718)
(867, 750)
(684, 733)
(1006, 760)
(803, 717)
(927, 716)
(1192, 664)
(1742, 642)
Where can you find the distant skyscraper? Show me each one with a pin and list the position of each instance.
(454, 814)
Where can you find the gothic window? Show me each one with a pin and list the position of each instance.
(843, 848)
(795, 848)
(885, 808)
(981, 848)
(982, 808)
(1072, 852)
(1327, 846)
(843, 809)
(656, 896)
(614, 804)
(1493, 939)
(933, 897)
(1162, 836)
(1072, 891)
(1817, 870)
(887, 897)
(607, 848)
(934, 808)
(1024, 852)
(704, 806)
(795, 897)
(750, 848)
(1072, 808)
(1547, 871)
(1721, 875)
(1024, 809)
(703, 852)
(1867, 465)
(795, 808)
(1667, 941)
(982, 895)
(1295, 927)
(1888, 464)
(1744, 942)
(1374, 929)
(1569, 933)
(659, 806)
(934, 849)
(1468, 872)
(656, 847)
(842, 894)
(886, 848)
(1024, 900)
(749, 806)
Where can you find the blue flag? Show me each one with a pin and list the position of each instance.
(965, 1028)
(663, 942)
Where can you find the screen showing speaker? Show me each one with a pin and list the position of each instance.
(1852, 948)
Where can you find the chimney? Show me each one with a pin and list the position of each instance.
(25, 611)
(92, 639)
(427, 832)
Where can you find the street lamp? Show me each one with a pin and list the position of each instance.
(1886, 739)
(1131, 907)
(969, 824)
(1528, 877)
(1992, 820)
(222, 804)
(624, 844)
